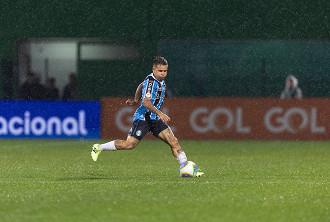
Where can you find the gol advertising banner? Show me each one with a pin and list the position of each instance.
(229, 118)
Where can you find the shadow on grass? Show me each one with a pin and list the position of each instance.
(82, 178)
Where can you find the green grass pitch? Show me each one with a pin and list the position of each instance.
(56, 180)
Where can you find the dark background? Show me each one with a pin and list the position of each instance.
(299, 25)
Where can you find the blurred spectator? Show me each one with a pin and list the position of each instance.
(39, 90)
(32, 89)
(51, 90)
(291, 89)
(27, 87)
(70, 90)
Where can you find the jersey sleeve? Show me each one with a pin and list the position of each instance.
(149, 89)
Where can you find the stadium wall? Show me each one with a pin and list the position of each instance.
(228, 118)
(193, 118)
(151, 21)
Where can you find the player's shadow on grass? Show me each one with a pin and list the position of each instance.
(82, 178)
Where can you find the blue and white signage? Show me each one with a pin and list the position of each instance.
(22, 119)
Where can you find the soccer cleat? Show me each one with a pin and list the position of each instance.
(199, 174)
(95, 152)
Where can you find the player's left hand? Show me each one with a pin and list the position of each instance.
(164, 117)
(130, 102)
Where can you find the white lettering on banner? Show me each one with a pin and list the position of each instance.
(284, 120)
(314, 128)
(38, 125)
(11, 126)
(119, 118)
(27, 123)
(70, 126)
(54, 122)
(82, 122)
(4, 127)
(209, 119)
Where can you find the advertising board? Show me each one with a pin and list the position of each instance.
(229, 118)
(23, 119)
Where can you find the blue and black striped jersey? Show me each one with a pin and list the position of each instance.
(154, 90)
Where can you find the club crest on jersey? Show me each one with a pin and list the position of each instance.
(138, 133)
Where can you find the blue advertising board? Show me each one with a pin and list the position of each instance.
(49, 119)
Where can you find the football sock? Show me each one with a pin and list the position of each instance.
(108, 146)
(182, 158)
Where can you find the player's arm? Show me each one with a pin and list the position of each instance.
(147, 103)
(138, 95)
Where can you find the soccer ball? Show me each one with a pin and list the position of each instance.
(188, 169)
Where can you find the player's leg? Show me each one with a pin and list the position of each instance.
(114, 145)
(168, 137)
(128, 144)
(135, 135)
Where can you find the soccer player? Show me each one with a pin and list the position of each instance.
(148, 117)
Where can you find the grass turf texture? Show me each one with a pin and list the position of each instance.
(54, 180)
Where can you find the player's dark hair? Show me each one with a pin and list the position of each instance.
(159, 60)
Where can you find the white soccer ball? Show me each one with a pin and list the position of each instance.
(189, 169)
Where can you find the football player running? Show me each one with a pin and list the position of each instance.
(148, 117)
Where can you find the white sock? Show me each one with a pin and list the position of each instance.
(182, 158)
(108, 146)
